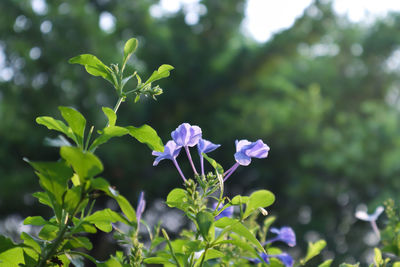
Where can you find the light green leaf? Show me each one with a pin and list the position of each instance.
(129, 49)
(177, 199)
(205, 221)
(12, 257)
(218, 168)
(157, 260)
(233, 225)
(211, 254)
(147, 135)
(396, 264)
(378, 257)
(85, 164)
(93, 66)
(112, 117)
(72, 198)
(108, 133)
(313, 250)
(48, 232)
(76, 122)
(43, 198)
(126, 208)
(57, 125)
(103, 219)
(35, 220)
(238, 200)
(326, 263)
(81, 242)
(349, 265)
(162, 72)
(259, 199)
(31, 242)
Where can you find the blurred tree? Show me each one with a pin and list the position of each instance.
(323, 94)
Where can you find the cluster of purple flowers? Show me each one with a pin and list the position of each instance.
(186, 136)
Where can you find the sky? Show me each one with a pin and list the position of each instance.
(266, 17)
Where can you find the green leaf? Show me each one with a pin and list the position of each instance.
(31, 242)
(396, 264)
(177, 199)
(53, 178)
(43, 198)
(103, 219)
(35, 220)
(211, 254)
(147, 135)
(313, 250)
(218, 168)
(238, 200)
(162, 72)
(129, 49)
(108, 133)
(12, 257)
(48, 232)
(259, 199)
(57, 125)
(111, 116)
(6, 243)
(157, 260)
(205, 221)
(349, 265)
(233, 225)
(126, 208)
(76, 122)
(81, 242)
(72, 198)
(378, 257)
(240, 244)
(85, 164)
(326, 263)
(93, 66)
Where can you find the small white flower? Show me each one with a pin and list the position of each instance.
(364, 216)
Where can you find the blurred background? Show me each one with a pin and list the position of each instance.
(318, 81)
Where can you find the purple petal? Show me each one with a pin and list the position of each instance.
(171, 151)
(205, 146)
(285, 234)
(186, 135)
(240, 144)
(242, 158)
(228, 212)
(141, 206)
(257, 150)
(285, 258)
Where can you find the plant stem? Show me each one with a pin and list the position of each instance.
(204, 255)
(120, 99)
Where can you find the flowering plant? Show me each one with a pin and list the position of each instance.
(225, 230)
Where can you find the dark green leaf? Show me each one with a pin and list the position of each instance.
(31, 242)
(147, 135)
(205, 221)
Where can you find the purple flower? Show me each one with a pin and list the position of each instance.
(187, 136)
(140, 208)
(246, 150)
(285, 234)
(228, 212)
(171, 151)
(285, 258)
(205, 146)
(364, 216)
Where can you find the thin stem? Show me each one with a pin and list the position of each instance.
(120, 99)
(190, 159)
(231, 170)
(202, 164)
(179, 169)
(376, 230)
(204, 256)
